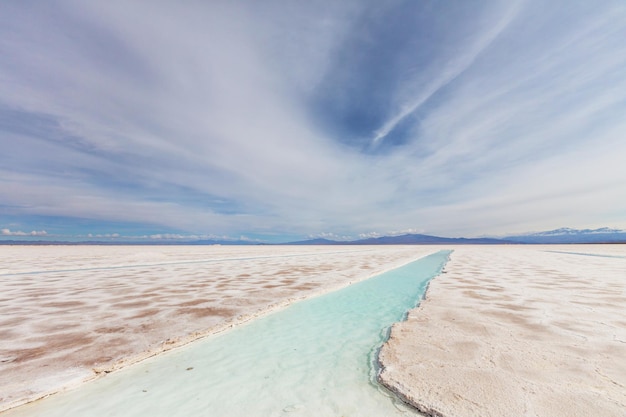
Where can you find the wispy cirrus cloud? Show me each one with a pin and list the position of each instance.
(452, 68)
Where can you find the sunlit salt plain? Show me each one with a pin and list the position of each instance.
(69, 314)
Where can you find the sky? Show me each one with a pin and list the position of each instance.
(284, 120)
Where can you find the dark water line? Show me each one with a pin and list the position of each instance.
(587, 254)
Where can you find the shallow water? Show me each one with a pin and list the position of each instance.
(314, 358)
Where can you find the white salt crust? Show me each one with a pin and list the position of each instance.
(516, 331)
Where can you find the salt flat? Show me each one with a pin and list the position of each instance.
(69, 313)
(517, 331)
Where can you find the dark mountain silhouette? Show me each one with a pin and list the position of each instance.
(569, 235)
(408, 239)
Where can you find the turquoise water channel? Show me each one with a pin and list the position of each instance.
(314, 358)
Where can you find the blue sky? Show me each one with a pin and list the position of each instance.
(283, 120)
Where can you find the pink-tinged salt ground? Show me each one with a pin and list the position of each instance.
(69, 313)
(516, 331)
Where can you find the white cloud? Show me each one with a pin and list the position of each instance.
(369, 235)
(179, 236)
(8, 232)
(330, 236)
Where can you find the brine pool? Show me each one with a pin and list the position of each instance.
(315, 358)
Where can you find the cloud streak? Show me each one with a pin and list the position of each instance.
(222, 118)
(452, 69)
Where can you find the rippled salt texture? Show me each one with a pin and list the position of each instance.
(314, 358)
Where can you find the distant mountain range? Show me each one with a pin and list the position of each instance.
(408, 239)
(568, 235)
(564, 235)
